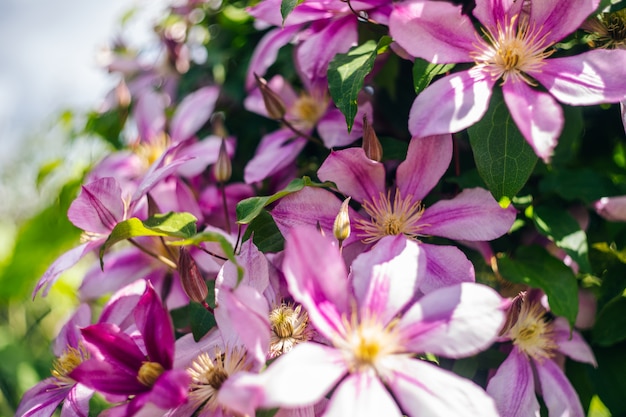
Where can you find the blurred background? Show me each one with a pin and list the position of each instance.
(51, 76)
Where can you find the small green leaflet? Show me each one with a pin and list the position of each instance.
(347, 72)
(265, 233)
(181, 225)
(287, 6)
(534, 266)
(503, 157)
(250, 208)
(424, 72)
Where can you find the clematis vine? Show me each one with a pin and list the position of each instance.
(373, 331)
(514, 45)
(473, 215)
(539, 342)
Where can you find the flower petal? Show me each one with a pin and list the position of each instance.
(454, 321)
(42, 399)
(193, 112)
(155, 325)
(423, 389)
(333, 129)
(302, 376)
(98, 207)
(276, 151)
(267, 49)
(434, 31)
(361, 395)
(445, 266)
(513, 387)
(119, 349)
(149, 112)
(170, 389)
(558, 19)
(558, 393)
(537, 115)
(70, 332)
(612, 208)
(472, 215)
(593, 77)
(108, 378)
(77, 402)
(571, 343)
(354, 173)
(427, 159)
(62, 264)
(461, 100)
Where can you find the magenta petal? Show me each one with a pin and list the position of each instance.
(445, 266)
(311, 371)
(70, 335)
(612, 208)
(321, 287)
(98, 207)
(492, 13)
(423, 389)
(589, 78)
(513, 387)
(427, 159)
(333, 129)
(386, 278)
(276, 151)
(170, 389)
(119, 308)
(42, 399)
(155, 325)
(434, 31)
(571, 343)
(558, 19)
(77, 402)
(362, 394)
(204, 152)
(193, 112)
(119, 349)
(558, 394)
(108, 378)
(451, 104)
(354, 173)
(454, 321)
(472, 215)
(537, 115)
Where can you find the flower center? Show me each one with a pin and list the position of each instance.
(514, 50)
(307, 110)
(209, 373)
(533, 331)
(390, 219)
(149, 152)
(289, 327)
(608, 29)
(149, 373)
(67, 362)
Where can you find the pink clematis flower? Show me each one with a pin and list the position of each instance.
(515, 48)
(473, 215)
(374, 332)
(532, 366)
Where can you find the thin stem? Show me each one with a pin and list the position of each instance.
(215, 255)
(301, 133)
(362, 15)
(238, 241)
(225, 207)
(207, 307)
(161, 258)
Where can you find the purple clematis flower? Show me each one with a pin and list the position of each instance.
(532, 367)
(473, 215)
(121, 367)
(374, 331)
(515, 48)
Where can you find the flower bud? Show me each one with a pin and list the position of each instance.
(341, 228)
(273, 103)
(371, 144)
(191, 278)
(222, 169)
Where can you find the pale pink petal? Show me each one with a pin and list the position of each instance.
(69, 335)
(427, 159)
(187, 350)
(302, 376)
(593, 77)
(513, 387)
(558, 393)
(386, 278)
(193, 112)
(240, 394)
(451, 104)
(445, 266)
(119, 308)
(362, 394)
(434, 31)
(42, 399)
(317, 278)
(333, 128)
(423, 389)
(149, 112)
(571, 343)
(98, 207)
(255, 266)
(204, 152)
(612, 208)
(558, 19)
(537, 115)
(308, 11)
(276, 151)
(492, 12)
(472, 215)
(354, 173)
(454, 321)
(62, 264)
(587, 307)
(77, 402)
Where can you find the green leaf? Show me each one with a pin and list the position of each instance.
(265, 234)
(267, 413)
(535, 267)
(347, 72)
(249, 208)
(608, 377)
(610, 326)
(561, 228)
(424, 72)
(578, 184)
(108, 125)
(287, 6)
(181, 225)
(201, 320)
(503, 157)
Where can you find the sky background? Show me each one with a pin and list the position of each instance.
(48, 63)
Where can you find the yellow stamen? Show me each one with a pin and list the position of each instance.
(149, 373)
(533, 332)
(290, 326)
(67, 362)
(307, 110)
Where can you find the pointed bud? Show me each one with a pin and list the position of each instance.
(191, 278)
(341, 228)
(273, 103)
(371, 144)
(222, 168)
(217, 123)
